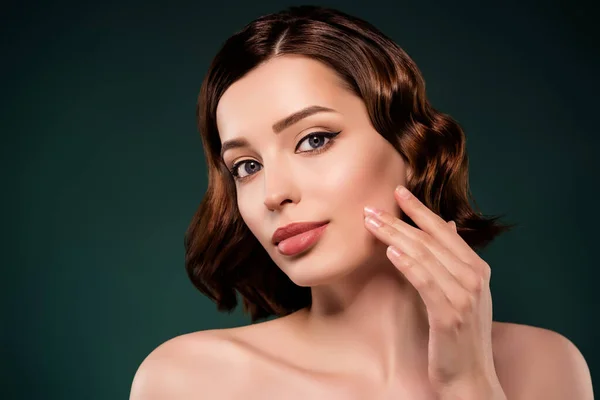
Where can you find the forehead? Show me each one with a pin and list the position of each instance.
(275, 89)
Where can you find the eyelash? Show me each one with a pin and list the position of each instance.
(329, 135)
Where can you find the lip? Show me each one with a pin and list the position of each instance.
(301, 242)
(294, 229)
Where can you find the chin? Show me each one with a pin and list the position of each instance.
(318, 275)
(323, 265)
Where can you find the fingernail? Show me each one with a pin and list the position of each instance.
(373, 222)
(394, 251)
(403, 192)
(372, 211)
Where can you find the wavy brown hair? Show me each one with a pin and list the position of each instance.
(222, 255)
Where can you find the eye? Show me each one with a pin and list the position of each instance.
(313, 140)
(317, 142)
(251, 166)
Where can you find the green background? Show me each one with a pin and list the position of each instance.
(102, 170)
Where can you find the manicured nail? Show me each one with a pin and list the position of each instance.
(372, 211)
(394, 251)
(403, 192)
(373, 222)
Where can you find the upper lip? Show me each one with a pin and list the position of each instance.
(294, 229)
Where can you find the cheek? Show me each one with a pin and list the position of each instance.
(251, 217)
(365, 178)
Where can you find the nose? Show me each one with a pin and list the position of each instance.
(279, 187)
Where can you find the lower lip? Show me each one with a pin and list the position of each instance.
(299, 243)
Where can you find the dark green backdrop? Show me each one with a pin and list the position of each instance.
(103, 168)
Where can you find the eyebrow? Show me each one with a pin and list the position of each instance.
(278, 127)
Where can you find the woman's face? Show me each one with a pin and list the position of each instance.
(285, 180)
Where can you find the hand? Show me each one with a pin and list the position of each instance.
(453, 282)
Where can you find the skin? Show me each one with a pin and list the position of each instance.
(374, 330)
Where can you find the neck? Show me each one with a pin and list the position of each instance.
(370, 322)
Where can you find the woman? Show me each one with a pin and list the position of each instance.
(307, 116)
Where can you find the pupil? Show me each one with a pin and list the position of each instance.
(317, 139)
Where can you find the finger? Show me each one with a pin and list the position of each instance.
(460, 271)
(440, 310)
(448, 283)
(433, 224)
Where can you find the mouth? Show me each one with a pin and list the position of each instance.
(302, 241)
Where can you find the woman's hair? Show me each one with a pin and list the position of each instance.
(222, 255)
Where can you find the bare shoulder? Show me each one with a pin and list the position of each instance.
(197, 365)
(534, 362)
